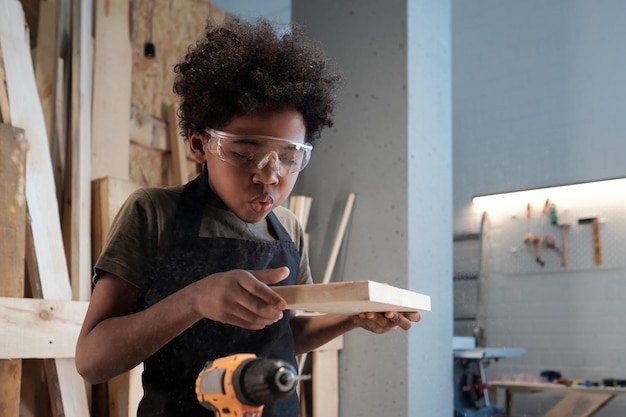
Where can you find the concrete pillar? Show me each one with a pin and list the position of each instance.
(391, 145)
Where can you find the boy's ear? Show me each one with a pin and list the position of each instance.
(196, 146)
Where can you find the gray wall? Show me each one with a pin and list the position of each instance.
(391, 146)
(539, 98)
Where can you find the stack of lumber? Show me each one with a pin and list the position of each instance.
(85, 118)
(49, 327)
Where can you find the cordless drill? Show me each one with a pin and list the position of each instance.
(241, 385)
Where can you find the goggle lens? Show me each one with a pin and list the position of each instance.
(254, 152)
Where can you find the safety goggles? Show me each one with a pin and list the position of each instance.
(254, 152)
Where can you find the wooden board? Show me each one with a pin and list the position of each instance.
(579, 401)
(352, 297)
(40, 189)
(46, 62)
(12, 210)
(41, 198)
(178, 148)
(325, 379)
(5, 113)
(579, 404)
(111, 89)
(12, 247)
(108, 195)
(36, 328)
(124, 391)
(82, 152)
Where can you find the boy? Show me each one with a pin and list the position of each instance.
(185, 274)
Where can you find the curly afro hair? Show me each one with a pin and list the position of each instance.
(239, 68)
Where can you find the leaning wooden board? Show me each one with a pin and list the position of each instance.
(352, 297)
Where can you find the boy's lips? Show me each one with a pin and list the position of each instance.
(262, 204)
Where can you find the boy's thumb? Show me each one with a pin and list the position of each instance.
(271, 276)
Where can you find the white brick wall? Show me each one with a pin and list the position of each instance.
(539, 99)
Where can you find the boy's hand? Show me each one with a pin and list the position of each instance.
(384, 322)
(241, 298)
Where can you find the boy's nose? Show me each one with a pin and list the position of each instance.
(268, 169)
(270, 159)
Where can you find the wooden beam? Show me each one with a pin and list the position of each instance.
(338, 238)
(124, 391)
(325, 381)
(352, 297)
(177, 146)
(37, 328)
(80, 245)
(46, 63)
(580, 404)
(40, 191)
(26, 113)
(12, 248)
(108, 195)
(52, 384)
(12, 210)
(5, 112)
(111, 89)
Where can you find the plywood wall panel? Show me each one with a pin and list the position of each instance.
(172, 26)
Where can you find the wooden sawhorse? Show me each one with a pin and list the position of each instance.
(578, 401)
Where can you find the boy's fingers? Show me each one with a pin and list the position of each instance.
(271, 276)
(268, 277)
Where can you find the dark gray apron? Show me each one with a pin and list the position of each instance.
(169, 375)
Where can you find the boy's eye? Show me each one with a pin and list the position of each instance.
(287, 160)
(248, 157)
(290, 157)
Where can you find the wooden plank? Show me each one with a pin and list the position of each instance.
(325, 381)
(46, 63)
(80, 232)
(579, 404)
(12, 210)
(178, 149)
(40, 191)
(11, 376)
(352, 297)
(111, 89)
(338, 238)
(52, 383)
(5, 112)
(108, 195)
(12, 248)
(26, 113)
(124, 391)
(529, 387)
(34, 389)
(37, 328)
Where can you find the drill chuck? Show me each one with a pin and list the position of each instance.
(242, 384)
(264, 381)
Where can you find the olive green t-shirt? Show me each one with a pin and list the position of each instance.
(142, 227)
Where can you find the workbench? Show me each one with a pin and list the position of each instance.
(579, 401)
(471, 388)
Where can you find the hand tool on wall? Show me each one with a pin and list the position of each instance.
(564, 243)
(595, 237)
(241, 385)
(533, 243)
